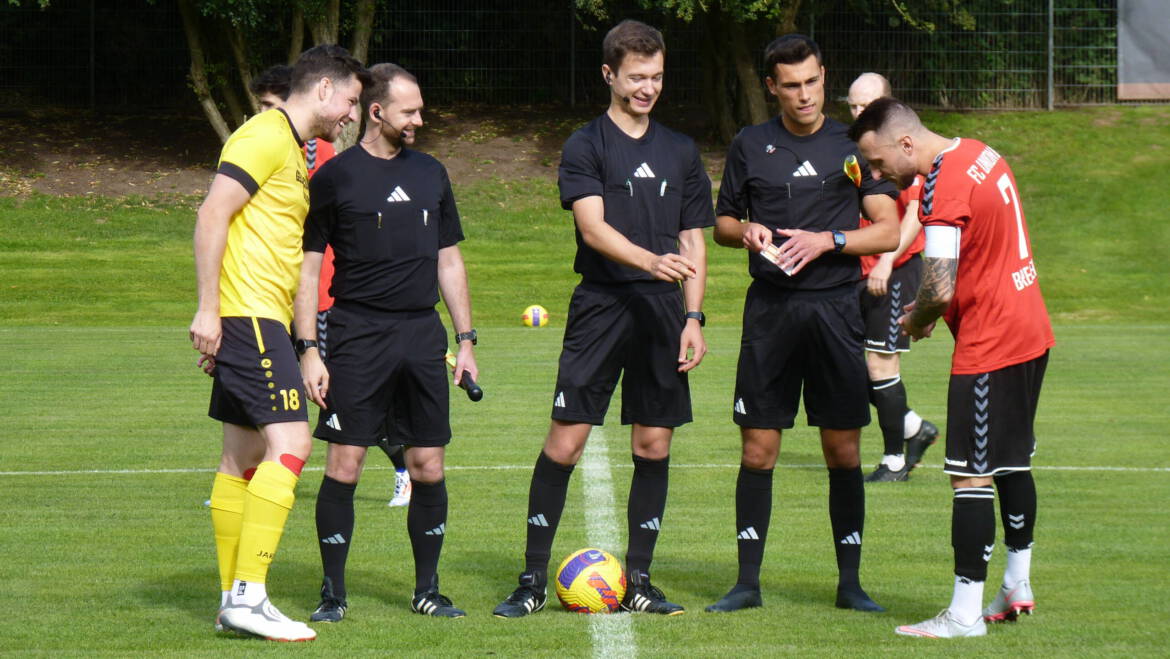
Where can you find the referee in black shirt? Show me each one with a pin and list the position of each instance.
(640, 199)
(791, 193)
(390, 216)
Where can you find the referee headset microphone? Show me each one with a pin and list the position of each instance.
(609, 79)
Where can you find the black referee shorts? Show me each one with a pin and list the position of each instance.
(387, 378)
(990, 419)
(881, 312)
(794, 339)
(611, 329)
(257, 379)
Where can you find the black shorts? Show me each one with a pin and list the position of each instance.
(801, 338)
(387, 378)
(615, 329)
(881, 313)
(990, 417)
(257, 379)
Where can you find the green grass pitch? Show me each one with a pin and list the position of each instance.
(107, 454)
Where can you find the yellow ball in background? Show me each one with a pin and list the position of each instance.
(535, 316)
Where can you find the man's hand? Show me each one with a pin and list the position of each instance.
(756, 236)
(878, 283)
(465, 361)
(909, 328)
(315, 377)
(207, 364)
(206, 332)
(671, 267)
(802, 247)
(692, 346)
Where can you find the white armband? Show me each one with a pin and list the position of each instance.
(942, 242)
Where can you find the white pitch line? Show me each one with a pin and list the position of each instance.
(209, 470)
(613, 635)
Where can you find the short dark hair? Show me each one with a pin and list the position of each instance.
(790, 49)
(878, 114)
(381, 75)
(326, 61)
(275, 80)
(630, 36)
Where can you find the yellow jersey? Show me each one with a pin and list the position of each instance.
(262, 261)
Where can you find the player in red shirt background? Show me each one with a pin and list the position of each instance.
(888, 282)
(980, 276)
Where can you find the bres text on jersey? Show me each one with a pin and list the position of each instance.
(386, 220)
(786, 181)
(262, 259)
(653, 188)
(997, 314)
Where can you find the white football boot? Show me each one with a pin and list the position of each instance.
(264, 620)
(1009, 603)
(402, 490)
(943, 626)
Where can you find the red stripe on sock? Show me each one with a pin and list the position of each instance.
(292, 463)
(249, 473)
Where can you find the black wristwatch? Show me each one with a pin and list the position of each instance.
(699, 316)
(467, 336)
(838, 241)
(304, 344)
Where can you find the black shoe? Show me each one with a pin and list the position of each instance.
(739, 597)
(916, 446)
(529, 597)
(641, 596)
(884, 474)
(331, 608)
(853, 597)
(430, 603)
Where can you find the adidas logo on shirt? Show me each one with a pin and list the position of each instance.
(560, 401)
(653, 525)
(333, 422)
(438, 530)
(335, 539)
(643, 171)
(398, 195)
(748, 534)
(538, 520)
(739, 406)
(805, 169)
(852, 539)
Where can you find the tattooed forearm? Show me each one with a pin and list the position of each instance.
(938, 287)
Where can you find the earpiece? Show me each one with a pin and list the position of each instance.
(378, 113)
(609, 78)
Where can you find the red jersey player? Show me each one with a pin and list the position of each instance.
(980, 276)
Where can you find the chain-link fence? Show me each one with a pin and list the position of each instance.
(132, 54)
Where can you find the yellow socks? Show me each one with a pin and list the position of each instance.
(227, 511)
(267, 503)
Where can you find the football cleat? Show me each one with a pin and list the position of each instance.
(430, 603)
(1009, 603)
(916, 446)
(853, 597)
(331, 608)
(884, 474)
(402, 489)
(529, 597)
(266, 621)
(739, 597)
(643, 597)
(944, 625)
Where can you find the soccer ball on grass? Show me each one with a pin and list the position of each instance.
(591, 581)
(535, 316)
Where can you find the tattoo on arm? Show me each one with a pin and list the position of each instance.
(938, 287)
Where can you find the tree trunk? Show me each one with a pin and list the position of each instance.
(199, 71)
(235, 109)
(296, 34)
(751, 87)
(715, 77)
(324, 28)
(240, 55)
(787, 22)
(363, 15)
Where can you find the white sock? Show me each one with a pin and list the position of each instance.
(911, 424)
(247, 593)
(894, 462)
(967, 601)
(224, 596)
(1019, 565)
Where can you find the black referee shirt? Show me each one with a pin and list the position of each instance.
(387, 221)
(653, 188)
(786, 181)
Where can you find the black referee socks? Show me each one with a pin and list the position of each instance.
(644, 510)
(335, 529)
(847, 517)
(753, 512)
(426, 522)
(546, 501)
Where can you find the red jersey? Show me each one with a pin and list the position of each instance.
(997, 314)
(317, 152)
(906, 196)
